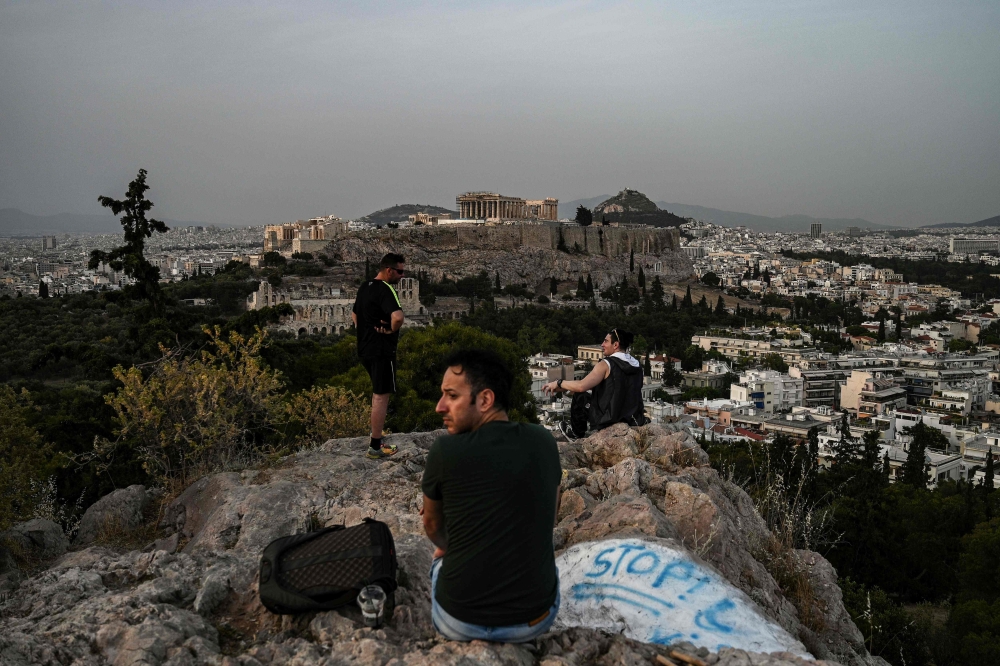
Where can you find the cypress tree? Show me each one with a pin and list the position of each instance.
(43, 289)
(703, 304)
(813, 462)
(631, 261)
(642, 280)
(915, 469)
(687, 302)
(673, 302)
(590, 285)
(988, 475)
(881, 330)
(720, 306)
(497, 281)
(656, 292)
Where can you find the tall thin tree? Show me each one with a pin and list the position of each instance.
(129, 258)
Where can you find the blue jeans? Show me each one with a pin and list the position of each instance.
(456, 630)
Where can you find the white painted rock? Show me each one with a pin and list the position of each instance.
(657, 594)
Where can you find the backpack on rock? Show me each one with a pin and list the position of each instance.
(328, 568)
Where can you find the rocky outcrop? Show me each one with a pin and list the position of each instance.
(36, 539)
(191, 596)
(120, 510)
(526, 254)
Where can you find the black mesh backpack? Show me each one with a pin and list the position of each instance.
(326, 569)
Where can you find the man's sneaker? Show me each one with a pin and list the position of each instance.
(375, 454)
(389, 449)
(567, 431)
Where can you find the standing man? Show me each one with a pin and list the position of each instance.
(378, 317)
(491, 495)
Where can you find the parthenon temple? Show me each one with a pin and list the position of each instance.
(493, 206)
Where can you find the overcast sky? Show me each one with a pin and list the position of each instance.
(244, 113)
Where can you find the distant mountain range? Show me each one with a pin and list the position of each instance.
(14, 222)
(988, 222)
(727, 218)
(401, 212)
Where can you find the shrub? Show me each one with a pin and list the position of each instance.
(195, 414)
(23, 456)
(889, 631)
(327, 412)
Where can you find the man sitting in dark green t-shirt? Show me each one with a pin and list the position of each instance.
(491, 494)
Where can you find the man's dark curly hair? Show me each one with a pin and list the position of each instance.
(483, 369)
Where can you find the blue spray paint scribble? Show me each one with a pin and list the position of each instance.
(656, 594)
(706, 619)
(601, 591)
(661, 638)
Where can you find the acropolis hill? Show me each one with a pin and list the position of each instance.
(522, 253)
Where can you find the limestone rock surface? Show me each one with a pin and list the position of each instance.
(190, 596)
(38, 539)
(121, 509)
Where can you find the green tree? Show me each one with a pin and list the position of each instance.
(129, 258)
(720, 306)
(888, 631)
(23, 457)
(421, 354)
(639, 346)
(989, 474)
(687, 302)
(631, 261)
(274, 259)
(642, 280)
(590, 285)
(43, 289)
(553, 285)
(656, 292)
(584, 216)
(711, 279)
(979, 564)
(881, 330)
(773, 361)
(496, 281)
(924, 437)
(846, 450)
(581, 287)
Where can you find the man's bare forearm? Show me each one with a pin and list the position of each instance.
(438, 537)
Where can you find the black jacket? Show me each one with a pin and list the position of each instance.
(618, 399)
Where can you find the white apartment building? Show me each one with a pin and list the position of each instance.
(769, 390)
(732, 347)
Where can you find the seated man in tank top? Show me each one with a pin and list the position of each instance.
(611, 393)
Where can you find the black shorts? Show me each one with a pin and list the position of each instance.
(382, 370)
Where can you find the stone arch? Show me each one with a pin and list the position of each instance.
(302, 331)
(322, 331)
(315, 331)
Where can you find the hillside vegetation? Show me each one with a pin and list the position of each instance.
(634, 207)
(400, 213)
